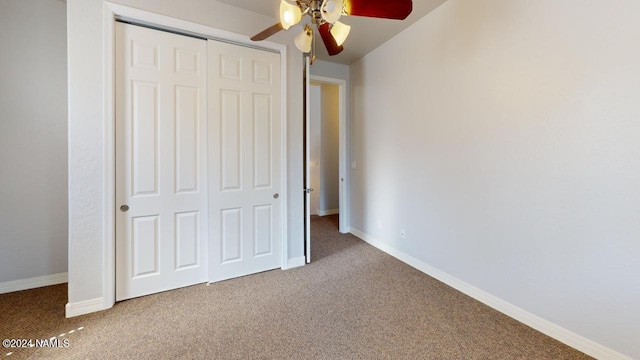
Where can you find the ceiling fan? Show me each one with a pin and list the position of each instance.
(324, 16)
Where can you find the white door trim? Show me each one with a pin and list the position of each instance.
(307, 151)
(344, 188)
(110, 12)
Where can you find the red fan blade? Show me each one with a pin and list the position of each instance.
(267, 32)
(386, 9)
(329, 41)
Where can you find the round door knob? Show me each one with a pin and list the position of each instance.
(124, 208)
(276, 195)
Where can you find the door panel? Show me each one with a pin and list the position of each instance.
(263, 155)
(230, 117)
(187, 142)
(145, 245)
(145, 148)
(263, 219)
(244, 161)
(160, 161)
(231, 233)
(187, 249)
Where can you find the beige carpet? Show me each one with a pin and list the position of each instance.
(352, 302)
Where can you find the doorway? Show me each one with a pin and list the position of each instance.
(324, 146)
(325, 206)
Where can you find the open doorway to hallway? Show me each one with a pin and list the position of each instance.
(324, 159)
(325, 153)
(326, 176)
(324, 146)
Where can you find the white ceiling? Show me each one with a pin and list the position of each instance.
(366, 33)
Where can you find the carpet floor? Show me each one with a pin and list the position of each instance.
(352, 302)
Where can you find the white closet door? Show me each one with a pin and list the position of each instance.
(244, 161)
(161, 174)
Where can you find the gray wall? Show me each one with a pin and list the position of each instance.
(507, 145)
(33, 139)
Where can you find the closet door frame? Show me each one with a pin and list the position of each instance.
(111, 13)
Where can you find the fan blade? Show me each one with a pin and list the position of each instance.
(329, 41)
(386, 9)
(267, 32)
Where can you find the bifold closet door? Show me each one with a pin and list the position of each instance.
(161, 169)
(244, 161)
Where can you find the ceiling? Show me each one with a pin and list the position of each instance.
(366, 33)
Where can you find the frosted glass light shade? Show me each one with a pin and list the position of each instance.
(340, 32)
(331, 10)
(289, 14)
(303, 41)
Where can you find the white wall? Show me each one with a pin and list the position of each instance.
(88, 229)
(503, 136)
(329, 160)
(33, 139)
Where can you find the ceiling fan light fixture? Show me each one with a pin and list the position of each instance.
(324, 15)
(289, 14)
(331, 10)
(340, 32)
(303, 41)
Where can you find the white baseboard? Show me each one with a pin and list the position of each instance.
(295, 262)
(328, 212)
(561, 334)
(32, 283)
(84, 307)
